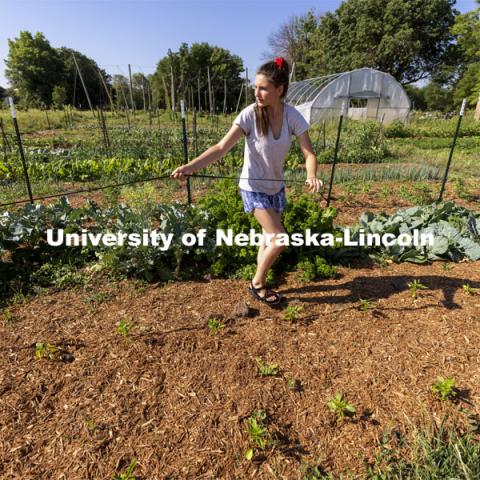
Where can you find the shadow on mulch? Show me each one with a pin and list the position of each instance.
(376, 288)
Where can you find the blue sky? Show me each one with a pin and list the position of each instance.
(118, 32)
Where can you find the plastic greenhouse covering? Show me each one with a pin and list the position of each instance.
(367, 94)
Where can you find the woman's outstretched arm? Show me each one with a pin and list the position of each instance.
(213, 154)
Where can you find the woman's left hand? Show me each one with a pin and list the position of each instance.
(314, 184)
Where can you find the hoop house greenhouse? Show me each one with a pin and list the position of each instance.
(370, 95)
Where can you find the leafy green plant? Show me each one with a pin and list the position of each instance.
(140, 197)
(90, 424)
(366, 187)
(128, 473)
(124, 327)
(247, 272)
(468, 289)
(110, 196)
(8, 316)
(323, 269)
(59, 275)
(215, 325)
(415, 286)
(316, 268)
(97, 297)
(293, 383)
(444, 388)
(385, 192)
(266, 369)
(140, 285)
(366, 305)
(18, 298)
(363, 142)
(340, 407)
(46, 350)
(447, 224)
(305, 271)
(403, 192)
(258, 433)
(461, 189)
(447, 266)
(422, 194)
(292, 312)
(397, 129)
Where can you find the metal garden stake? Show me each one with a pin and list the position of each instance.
(342, 113)
(185, 148)
(460, 116)
(20, 148)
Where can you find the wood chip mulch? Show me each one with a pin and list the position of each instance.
(175, 397)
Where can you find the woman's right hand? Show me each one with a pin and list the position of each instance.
(180, 172)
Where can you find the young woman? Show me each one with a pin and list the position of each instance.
(268, 126)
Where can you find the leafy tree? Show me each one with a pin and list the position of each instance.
(417, 97)
(189, 66)
(3, 92)
(91, 75)
(140, 90)
(59, 96)
(410, 39)
(438, 97)
(467, 32)
(469, 85)
(120, 91)
(33, 68)
(293, 41)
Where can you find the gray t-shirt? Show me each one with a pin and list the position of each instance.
(264, 156)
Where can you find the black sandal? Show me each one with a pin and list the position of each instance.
(268, 293)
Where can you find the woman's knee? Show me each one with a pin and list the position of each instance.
(269, 220)
(276, 239)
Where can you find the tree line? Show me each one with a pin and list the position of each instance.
(43, 76)
(413, 40)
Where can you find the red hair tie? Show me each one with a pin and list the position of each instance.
(279, 62)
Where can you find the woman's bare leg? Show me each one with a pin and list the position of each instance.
(270, 220)
(261, 248)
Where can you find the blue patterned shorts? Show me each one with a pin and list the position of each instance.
(252, 200)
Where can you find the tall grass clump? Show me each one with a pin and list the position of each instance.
(436, 453)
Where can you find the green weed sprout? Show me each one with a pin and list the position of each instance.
(340, 407)
(292, 312)
(415, 286)
(366, 305)
(266, 369)
(124, 328)
(215, 325)
(46, 350)
(258, 432)
(90, 424)
(468, 289)
(128, 473)
(292, 383)
(8, 316)
(444, 388)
